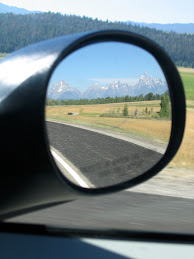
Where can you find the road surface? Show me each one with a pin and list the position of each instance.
(124, 210)
(100, 159)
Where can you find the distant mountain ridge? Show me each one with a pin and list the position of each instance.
(146, 84)
(175, 27)
(12, 9)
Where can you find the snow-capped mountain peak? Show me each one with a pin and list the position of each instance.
(146, 84)
(62, 91)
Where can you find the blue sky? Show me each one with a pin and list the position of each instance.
(104, 63)
(157, 11)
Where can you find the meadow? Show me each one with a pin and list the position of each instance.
(187, 76)
(188, 81)
(2, 55)
(185, 155)
(91, 115)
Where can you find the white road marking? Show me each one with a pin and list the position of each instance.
(70, 170)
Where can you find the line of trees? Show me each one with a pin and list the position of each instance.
(165, 106)
(147, 97)
(20, 30)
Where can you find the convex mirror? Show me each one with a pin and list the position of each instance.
(108, 114)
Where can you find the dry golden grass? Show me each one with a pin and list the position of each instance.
(101, 108)
(189, 102)
(186, 69)
(152, 128)
(90, 114)
(185, 155)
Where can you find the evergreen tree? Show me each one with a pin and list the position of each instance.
(125, 110)
(165, 106)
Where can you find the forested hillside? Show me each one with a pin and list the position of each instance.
(17, 31)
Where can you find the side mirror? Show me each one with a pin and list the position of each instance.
(108, 114)
(88, 113)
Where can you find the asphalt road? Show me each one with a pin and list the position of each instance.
(102, 159)
(124, 210)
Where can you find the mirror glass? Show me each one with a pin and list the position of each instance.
(108, 114)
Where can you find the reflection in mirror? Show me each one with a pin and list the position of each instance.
(108, 114)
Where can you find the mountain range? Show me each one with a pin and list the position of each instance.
(146, 84)
(175, 27)
(12, 9)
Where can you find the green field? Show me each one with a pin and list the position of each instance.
(188, 81)
(2, 55)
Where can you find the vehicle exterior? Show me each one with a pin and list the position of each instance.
(38, 178)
